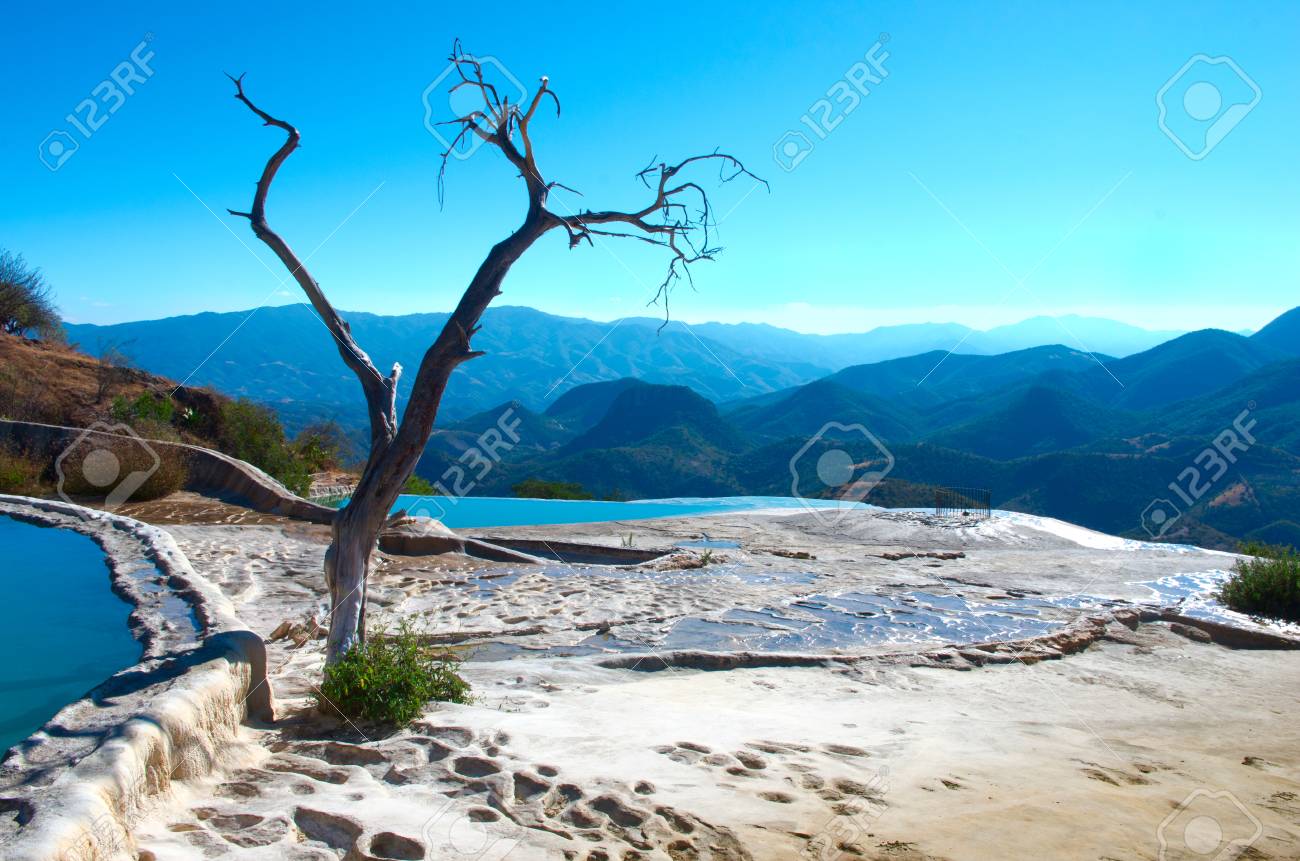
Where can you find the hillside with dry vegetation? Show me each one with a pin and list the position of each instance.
(51, 382)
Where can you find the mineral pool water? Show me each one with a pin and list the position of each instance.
(62, 629)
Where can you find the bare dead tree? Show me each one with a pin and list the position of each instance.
(110, 369)
(26, 299)
(678, 217)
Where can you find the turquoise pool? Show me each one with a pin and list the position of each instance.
(62, 630)
(481, 511)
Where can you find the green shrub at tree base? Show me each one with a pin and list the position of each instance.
(1267, 584)
(389, 679)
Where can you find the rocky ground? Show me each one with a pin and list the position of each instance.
(592, 737)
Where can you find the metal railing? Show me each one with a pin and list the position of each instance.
(963, 501)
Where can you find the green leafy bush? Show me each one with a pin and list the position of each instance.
(252, 433)
(1266, 584)
(320, 446)
(536, 488)
(389, 679)
(147, 406)
(419, 486)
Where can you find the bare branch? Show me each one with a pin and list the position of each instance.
(380, 391)
(679, 218)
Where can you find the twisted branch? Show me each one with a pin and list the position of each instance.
(380, 391)
(679, 218)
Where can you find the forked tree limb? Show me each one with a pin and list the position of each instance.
(380, 391)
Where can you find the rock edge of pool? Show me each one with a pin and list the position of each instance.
(73, 788)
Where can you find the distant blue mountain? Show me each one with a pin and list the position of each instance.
(1282, 334)
(1049, 430)
(1085, 334)
(284, 356)
(1057, 417)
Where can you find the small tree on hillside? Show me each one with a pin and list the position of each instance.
(677, 217)
(111, 370)
(321, 445)
(26, 300)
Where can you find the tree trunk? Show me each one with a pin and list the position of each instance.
(347, 561)
(347, 567)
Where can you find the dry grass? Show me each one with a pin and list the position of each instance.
(57, 384)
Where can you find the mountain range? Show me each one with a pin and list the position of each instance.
(283, 355)
(1048, 430)
(628, 410)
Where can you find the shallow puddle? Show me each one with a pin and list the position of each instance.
(845, 622)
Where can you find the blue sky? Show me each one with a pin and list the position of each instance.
(1007, 139)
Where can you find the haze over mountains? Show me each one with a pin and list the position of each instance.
(631, 411)
(284, 356)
